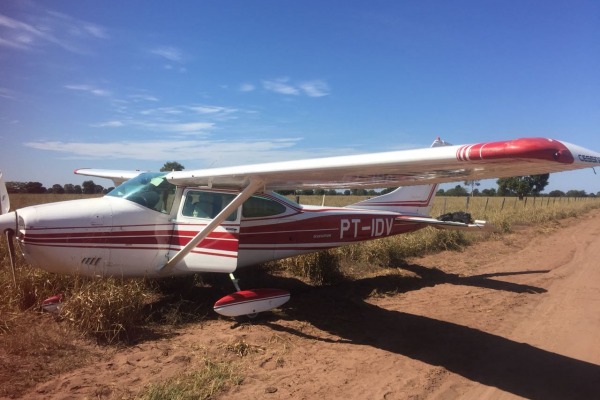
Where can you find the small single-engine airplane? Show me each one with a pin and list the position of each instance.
(221, 219)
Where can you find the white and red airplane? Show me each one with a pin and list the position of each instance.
(222, 219)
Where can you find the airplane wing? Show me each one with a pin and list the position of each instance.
(525, 156)
(117, 176)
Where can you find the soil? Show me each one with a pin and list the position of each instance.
(516, 317)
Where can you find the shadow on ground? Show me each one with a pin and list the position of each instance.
(489, 359)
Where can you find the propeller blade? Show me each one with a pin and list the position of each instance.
(4, 200)
(11, 253)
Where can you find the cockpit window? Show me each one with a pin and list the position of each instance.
(201, 204)
(149, 189)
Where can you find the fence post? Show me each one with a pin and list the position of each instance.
(487, 200)
(467, 205)
(503, 201)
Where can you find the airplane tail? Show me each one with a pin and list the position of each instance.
(409, 200)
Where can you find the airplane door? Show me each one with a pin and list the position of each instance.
(219, 251)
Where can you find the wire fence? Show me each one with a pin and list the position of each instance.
(485, 204)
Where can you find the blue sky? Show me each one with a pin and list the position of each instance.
(131, 85)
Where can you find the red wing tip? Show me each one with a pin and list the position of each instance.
(250, 295)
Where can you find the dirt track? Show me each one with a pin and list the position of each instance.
(519, 317)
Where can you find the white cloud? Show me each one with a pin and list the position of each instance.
(314, 88)
(7, 93)
(89, 89)
(170, 53)
(187, 127)
(208, 109)
(49, 28)
(247, 87)
(215, 112)
(212, 112)
(143, 97)
(280, 86)
(162, 111)
(201, 151)
(109, 124)
(96, 31)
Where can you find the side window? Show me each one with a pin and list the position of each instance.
(200, 204)
(258, 206)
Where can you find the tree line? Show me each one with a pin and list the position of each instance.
(518, 186)
(87, 187)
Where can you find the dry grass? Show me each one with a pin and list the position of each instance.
(206, 382)
(355, 260)
(112, 309)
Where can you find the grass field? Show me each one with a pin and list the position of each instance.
(112, 309)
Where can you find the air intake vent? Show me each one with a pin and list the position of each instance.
(91, 261)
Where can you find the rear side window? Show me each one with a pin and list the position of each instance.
(258, 206)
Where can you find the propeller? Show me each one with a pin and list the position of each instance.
(9, 233)
(8, 220)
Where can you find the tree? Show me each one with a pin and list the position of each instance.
(172, 166)
(69, 188)
(522, 185)
(35, 187)
(88, 187)
(576, 193)
(489, 192)
(472, 184)
(56, 188)
(557, 193)
(457, 191)
(16, 187)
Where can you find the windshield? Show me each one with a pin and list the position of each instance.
(149, 189)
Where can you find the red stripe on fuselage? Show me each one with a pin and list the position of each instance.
(163, 239)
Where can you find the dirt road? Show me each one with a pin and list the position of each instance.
(513, 318)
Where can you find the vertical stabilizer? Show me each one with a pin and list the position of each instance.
(4, 201)
(412, 200)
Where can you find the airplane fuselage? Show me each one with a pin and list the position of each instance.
(112, 236)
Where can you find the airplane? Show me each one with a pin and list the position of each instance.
(159, 224)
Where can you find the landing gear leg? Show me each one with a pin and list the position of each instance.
(235, 282)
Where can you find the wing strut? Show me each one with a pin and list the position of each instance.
(212, 225)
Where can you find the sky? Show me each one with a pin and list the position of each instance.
(134, 84)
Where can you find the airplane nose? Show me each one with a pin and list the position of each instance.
(8, 221)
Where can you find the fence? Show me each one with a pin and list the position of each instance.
(475, 205)
(485, 204)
